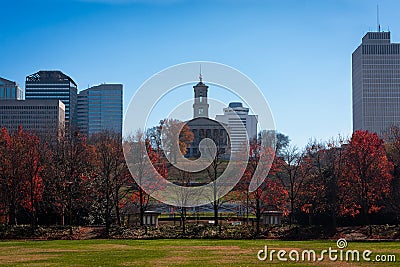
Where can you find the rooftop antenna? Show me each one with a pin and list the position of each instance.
(200, 76)
(377, 18)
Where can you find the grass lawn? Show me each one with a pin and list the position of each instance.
(174, 252)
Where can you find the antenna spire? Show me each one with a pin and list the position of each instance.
(200, 76)
(377, 18)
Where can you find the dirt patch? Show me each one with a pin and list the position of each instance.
(340, 263)
(11, 259)
(233, 261)
(233, 252)
(223, 248)
(170, 261)
(113, 246)
(382, 251)
(22, 251)
(180, 251)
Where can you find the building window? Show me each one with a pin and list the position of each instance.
(201, 99)
(201, 111)
(201, 134)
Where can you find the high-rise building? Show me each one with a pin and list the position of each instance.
(10, 90)
(376, 83)
(42, 117)
(54, 85)
(100, 108)
(236, 117)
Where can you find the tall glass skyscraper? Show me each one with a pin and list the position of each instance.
(376, 83)
(10, 90)
(100, 108)
(54, 85)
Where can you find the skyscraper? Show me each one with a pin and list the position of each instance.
(100, 108)
(376, 83)
(236, 117)
(10, 90)
(53, 85)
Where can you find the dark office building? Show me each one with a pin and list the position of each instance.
(54, 85)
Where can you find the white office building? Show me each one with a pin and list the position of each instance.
(376, 83)
(236, 116)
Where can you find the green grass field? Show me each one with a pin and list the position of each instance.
(174, 252)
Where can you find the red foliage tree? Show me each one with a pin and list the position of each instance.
(110, 172)
(20, 180)
(138, 150)
(67, 177)
(319, 194)
(174, 130)
(270, 193)
(294, 168)
(393, 153)
(366, 175)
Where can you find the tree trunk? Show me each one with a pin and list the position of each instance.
(215, 204)
(33, 207)
(63, 215)
(12, 218)
(70, 210)
(183, 219)
(366, 219)
(334, 220)
(117, 213)
(247, 207)
(141, 208)
(291, 211)
(258, 216)
(107, 208)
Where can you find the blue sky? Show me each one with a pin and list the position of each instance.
(297, 52)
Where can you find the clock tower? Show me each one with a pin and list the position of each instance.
(200, 105)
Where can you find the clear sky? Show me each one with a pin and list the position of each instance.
(297, 52)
